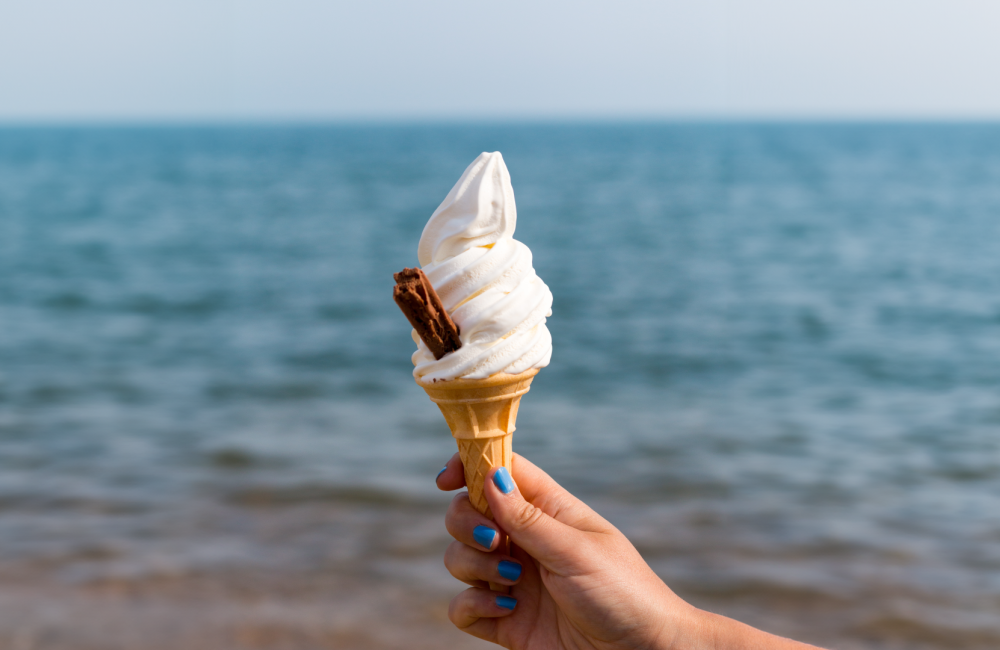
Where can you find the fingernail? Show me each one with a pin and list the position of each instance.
(506, 602)
(503, 481)
(509, 570)
(484, 536)
(443, 470)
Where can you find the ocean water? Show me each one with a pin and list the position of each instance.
(776, 368)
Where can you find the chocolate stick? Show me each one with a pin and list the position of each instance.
(422, 306)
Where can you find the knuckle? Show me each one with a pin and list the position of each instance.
(454, 512)
(453, 611)
(526, 516)
(460, 610)
(457, 501)
(451, 555)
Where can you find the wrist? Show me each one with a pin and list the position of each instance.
(701, 630)
(682, 627)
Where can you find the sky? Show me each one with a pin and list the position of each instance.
(215, 60)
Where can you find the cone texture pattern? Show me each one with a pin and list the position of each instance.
(478, 457)
(481, 414)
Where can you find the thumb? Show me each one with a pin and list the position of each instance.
(551, 542)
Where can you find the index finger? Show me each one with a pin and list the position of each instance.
(452, 477)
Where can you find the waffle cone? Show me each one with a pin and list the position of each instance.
(481, 415)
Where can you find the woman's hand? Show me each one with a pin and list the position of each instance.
(577, 582)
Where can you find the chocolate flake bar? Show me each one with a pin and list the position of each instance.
(422, 306)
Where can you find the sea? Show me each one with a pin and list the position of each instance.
(776, 369)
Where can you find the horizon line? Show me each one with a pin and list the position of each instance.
(445, 120)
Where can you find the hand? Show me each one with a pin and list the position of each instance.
(577, 582)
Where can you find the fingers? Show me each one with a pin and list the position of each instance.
(537, 487)
(475, 611)
(538, 514)
(478, 568)
(469, 526)
(452, 476)
(557, 546)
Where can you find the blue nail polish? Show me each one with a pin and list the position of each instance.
(506, 602)
(443, 470)
(509, 570)
(484, 536)
(502, 479)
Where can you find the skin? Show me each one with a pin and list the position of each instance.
(582, 585)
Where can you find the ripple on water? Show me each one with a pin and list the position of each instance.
(774, 366)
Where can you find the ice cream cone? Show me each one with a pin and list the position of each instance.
(481, 415)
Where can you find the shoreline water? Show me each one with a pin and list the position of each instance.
(784, 389)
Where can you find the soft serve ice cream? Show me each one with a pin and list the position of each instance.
(485, 280)
(478, 312)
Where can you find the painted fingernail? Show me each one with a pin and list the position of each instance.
(443, 470)
(506, 602)
(509, 570)
(484, 536)
(502, 479)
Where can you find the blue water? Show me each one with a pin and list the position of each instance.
(775, 366)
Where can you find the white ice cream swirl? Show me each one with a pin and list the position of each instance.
(485, 280)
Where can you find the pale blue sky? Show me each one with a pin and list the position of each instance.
(216, 60)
